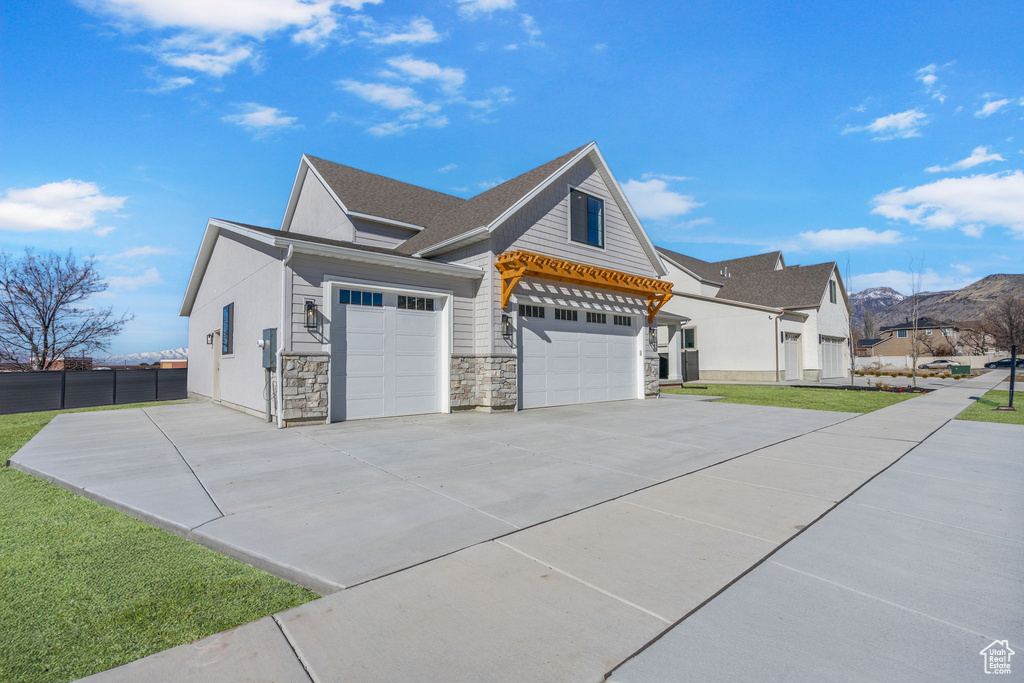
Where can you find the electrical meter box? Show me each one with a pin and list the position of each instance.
(269, 346)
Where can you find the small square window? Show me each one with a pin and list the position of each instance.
(622, 320)
(901, 333)
(565, 314)
(928, 332)
(526, 311)
(601, 318)
(343, 296)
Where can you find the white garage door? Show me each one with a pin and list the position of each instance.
(386, 355)
(572, 359)
(832, 357)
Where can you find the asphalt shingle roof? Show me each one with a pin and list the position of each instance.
(312, 239)
(377, 195)
(791, 287)
(922, 323)
(713, 271)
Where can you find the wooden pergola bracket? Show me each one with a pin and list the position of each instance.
(515, 265)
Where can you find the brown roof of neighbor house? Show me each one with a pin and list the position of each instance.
(791, 287)
(716, 271)
(315, 240)
(377, 195)
(481, 210)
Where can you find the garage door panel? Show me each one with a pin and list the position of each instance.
(566, 362)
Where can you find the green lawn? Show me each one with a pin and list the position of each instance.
(982, 409)
(793, 397)
(84, 588)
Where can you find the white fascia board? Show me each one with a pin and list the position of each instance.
(386, 221)
(730, 302)
(474, 235)
(631, 217)
(401, 262)
(689, 272)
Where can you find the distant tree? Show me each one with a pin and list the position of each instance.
(43, 315)
(870, 328)
(1005, 321)
(974, 337)
(936, 344)
(916, 274)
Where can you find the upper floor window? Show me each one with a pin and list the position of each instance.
(901, 333)
(832, 291)
(586, 219)
(227, 329)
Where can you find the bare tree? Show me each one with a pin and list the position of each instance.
(936, 344)
(43, 315)
(974, 337)
(916, 274)
(1005, 321)
(870, 328)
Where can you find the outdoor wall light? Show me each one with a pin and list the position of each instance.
(209, 339)
(653, 337)
(506, 327)
(311, 321)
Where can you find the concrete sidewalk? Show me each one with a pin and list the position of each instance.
(572, 598)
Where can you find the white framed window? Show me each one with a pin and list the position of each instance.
(227, 330)
(928, 332)
(901, 333)
(415, 303)
(689, 338)
(356, 297)
(832, 291)
(586, 219)
(565, 314)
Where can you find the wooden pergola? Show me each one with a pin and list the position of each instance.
(515, 265)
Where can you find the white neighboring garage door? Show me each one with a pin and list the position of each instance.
(832, 357)
(574, 361)
(386, 354)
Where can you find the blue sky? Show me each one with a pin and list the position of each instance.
(873, 132)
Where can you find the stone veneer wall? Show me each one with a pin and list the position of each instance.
(487, 382)
(305, 387)
(652, 372)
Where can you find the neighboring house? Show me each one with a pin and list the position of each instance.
(381, 298)
(756, 319)
(173, 364)
(934, 338)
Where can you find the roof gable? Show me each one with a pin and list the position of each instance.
(791, 287)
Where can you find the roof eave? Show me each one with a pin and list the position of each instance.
(474, 235)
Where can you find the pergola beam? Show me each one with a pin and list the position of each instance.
(515, 265)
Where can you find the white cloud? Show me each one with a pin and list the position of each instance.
(216, 57)
(903, 281)
(68, 205)
(495, 98)
(980, 155)
(408, 122)
(129, 283)
(420, 30)
(991, 108)
(652, 199)
(928, 76)
(388, 96)
(171, 83)
(104, 231)
(446, 168)
(600, 47)
(470, 9)
(664, 176)
(530, 28)
(449, 79)
(960, 267)
(905, 124)
(138, 252)
(970, 203)
(488, 184)
(260, 118)
(847, 238)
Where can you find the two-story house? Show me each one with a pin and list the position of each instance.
(381, 298)
(934, 338)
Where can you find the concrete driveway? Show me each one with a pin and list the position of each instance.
(332, 506)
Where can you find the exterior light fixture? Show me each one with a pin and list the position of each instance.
(209, 339)
(653, 337)
(310, 314)
(506, 327)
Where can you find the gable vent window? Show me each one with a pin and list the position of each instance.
(526, 311)
(359, 298)
(415, 303)
(832, 291)
(601, 318)
(586, 219)
(227, 330)
(565, 314)
(623, 320)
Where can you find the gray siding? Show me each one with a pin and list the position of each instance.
(247, 274)
(308, 274)
(316, 213)
(482, 316)
(379, 234)
(542, 226)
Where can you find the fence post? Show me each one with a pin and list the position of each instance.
(113, 399)
(156, 385)
(63, 384)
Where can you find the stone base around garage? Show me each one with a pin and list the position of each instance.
(305, 387)
(652, 371)
(483, 382)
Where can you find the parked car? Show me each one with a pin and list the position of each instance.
(936, 365)
(1004, 363)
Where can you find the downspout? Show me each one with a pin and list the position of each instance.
(777, 379)
(285, 331)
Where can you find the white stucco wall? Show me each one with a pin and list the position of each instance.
(248, 274)
(828, 319)
(730, 338)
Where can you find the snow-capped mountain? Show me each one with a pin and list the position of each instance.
(143, 357)
(875, 299)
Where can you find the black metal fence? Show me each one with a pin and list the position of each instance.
(26, 392)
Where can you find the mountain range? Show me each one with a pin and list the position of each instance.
(889, 307)
(143, 357)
